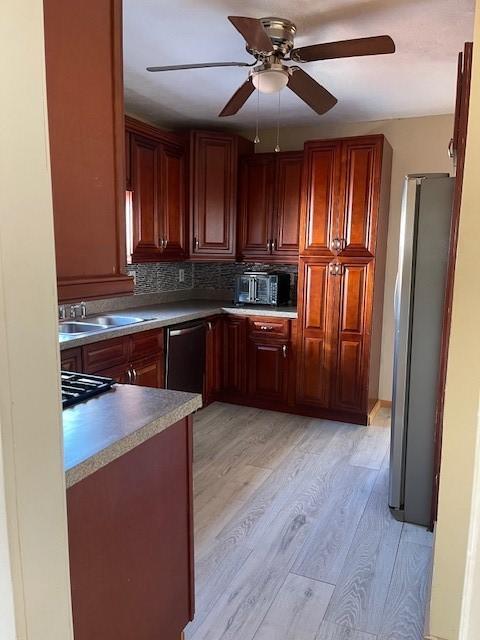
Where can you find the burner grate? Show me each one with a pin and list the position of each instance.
(77, 387)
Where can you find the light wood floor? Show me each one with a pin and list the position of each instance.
(294, 539)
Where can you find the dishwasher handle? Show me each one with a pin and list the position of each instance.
(183, 332)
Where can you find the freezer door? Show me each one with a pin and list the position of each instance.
(402, 314)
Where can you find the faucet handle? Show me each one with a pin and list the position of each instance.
(62, 312)
(83, 309)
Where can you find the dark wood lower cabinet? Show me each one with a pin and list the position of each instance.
(267, 371)
(131, 542)
(234, 356)
(137, 359)
(213, 359)
(71, 359)
(149, 372)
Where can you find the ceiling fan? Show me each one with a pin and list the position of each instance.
(270, 41)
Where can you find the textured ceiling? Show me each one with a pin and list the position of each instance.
(417, 80)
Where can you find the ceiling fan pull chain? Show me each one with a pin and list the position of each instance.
(277, 146)
(256, 140)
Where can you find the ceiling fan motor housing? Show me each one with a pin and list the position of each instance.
(281, 32)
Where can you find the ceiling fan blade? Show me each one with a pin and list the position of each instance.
(253, 32)
(344, 49)
(201, 65)
(308, 89)
(238, 99)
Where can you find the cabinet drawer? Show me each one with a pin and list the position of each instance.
(268, 326)
(147, 343)
(105, 354)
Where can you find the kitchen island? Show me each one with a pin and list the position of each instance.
(128, 466)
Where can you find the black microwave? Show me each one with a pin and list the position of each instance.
(259, 287)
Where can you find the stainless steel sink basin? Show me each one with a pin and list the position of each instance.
(114, 321)
(67, 328)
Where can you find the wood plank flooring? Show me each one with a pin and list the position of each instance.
(293, 536)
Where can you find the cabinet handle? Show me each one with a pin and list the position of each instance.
(274, 245)
(209, 325)
(129, 376)
(134, 372)
(451, 149)
(269, 249)
(336, 269)
(196, 243)
(284, 350)
(265, 327)
(165, 242)
(338, 244)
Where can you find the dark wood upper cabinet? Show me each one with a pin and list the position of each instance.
(145, 172)
(321, 190)
(213, 192)
(156, 177)
(286, 214)
(255, 205)
(360, 193)
(173, 200)
(269, 206)
(83, 49)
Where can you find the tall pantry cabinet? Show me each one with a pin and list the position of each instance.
(343, 235)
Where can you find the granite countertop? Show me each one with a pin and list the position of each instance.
(168, 314)
(104, 428)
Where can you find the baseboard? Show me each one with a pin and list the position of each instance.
(380, 404)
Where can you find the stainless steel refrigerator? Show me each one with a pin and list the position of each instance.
(419, 300)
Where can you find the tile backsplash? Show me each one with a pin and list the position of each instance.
(161, 277)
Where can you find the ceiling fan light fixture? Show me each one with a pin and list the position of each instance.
(270, 80)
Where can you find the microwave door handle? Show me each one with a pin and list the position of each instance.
(255, 290)
(250, 290)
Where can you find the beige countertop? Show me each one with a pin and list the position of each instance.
(168, 314)
(101, 429)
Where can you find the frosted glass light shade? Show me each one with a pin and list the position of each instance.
(270, 80)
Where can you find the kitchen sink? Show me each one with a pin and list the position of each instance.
(96, 323)
(66, 328)
(114, 321)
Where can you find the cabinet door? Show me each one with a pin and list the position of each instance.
(149, 373)
(255, 205)
(145, 174)
(130, 533)
(268, 370)
(71, 360)
(360, 195)
(213, 189)
(314, 333)
(354, 291)
(286, 218)
(172, 201)
(320, 192)
(234, 345)
(213, 359)
(83, 57)
(119, 374)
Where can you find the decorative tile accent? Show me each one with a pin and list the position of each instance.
(160, 277)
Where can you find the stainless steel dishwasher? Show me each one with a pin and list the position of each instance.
(185, 366)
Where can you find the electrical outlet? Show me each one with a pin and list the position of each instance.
(181, 275)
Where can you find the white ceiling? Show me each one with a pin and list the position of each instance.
(419, 79)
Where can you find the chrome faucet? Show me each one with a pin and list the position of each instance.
(81, 307)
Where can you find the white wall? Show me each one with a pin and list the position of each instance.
(419, 145)
(32, 481)
(456, 509)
